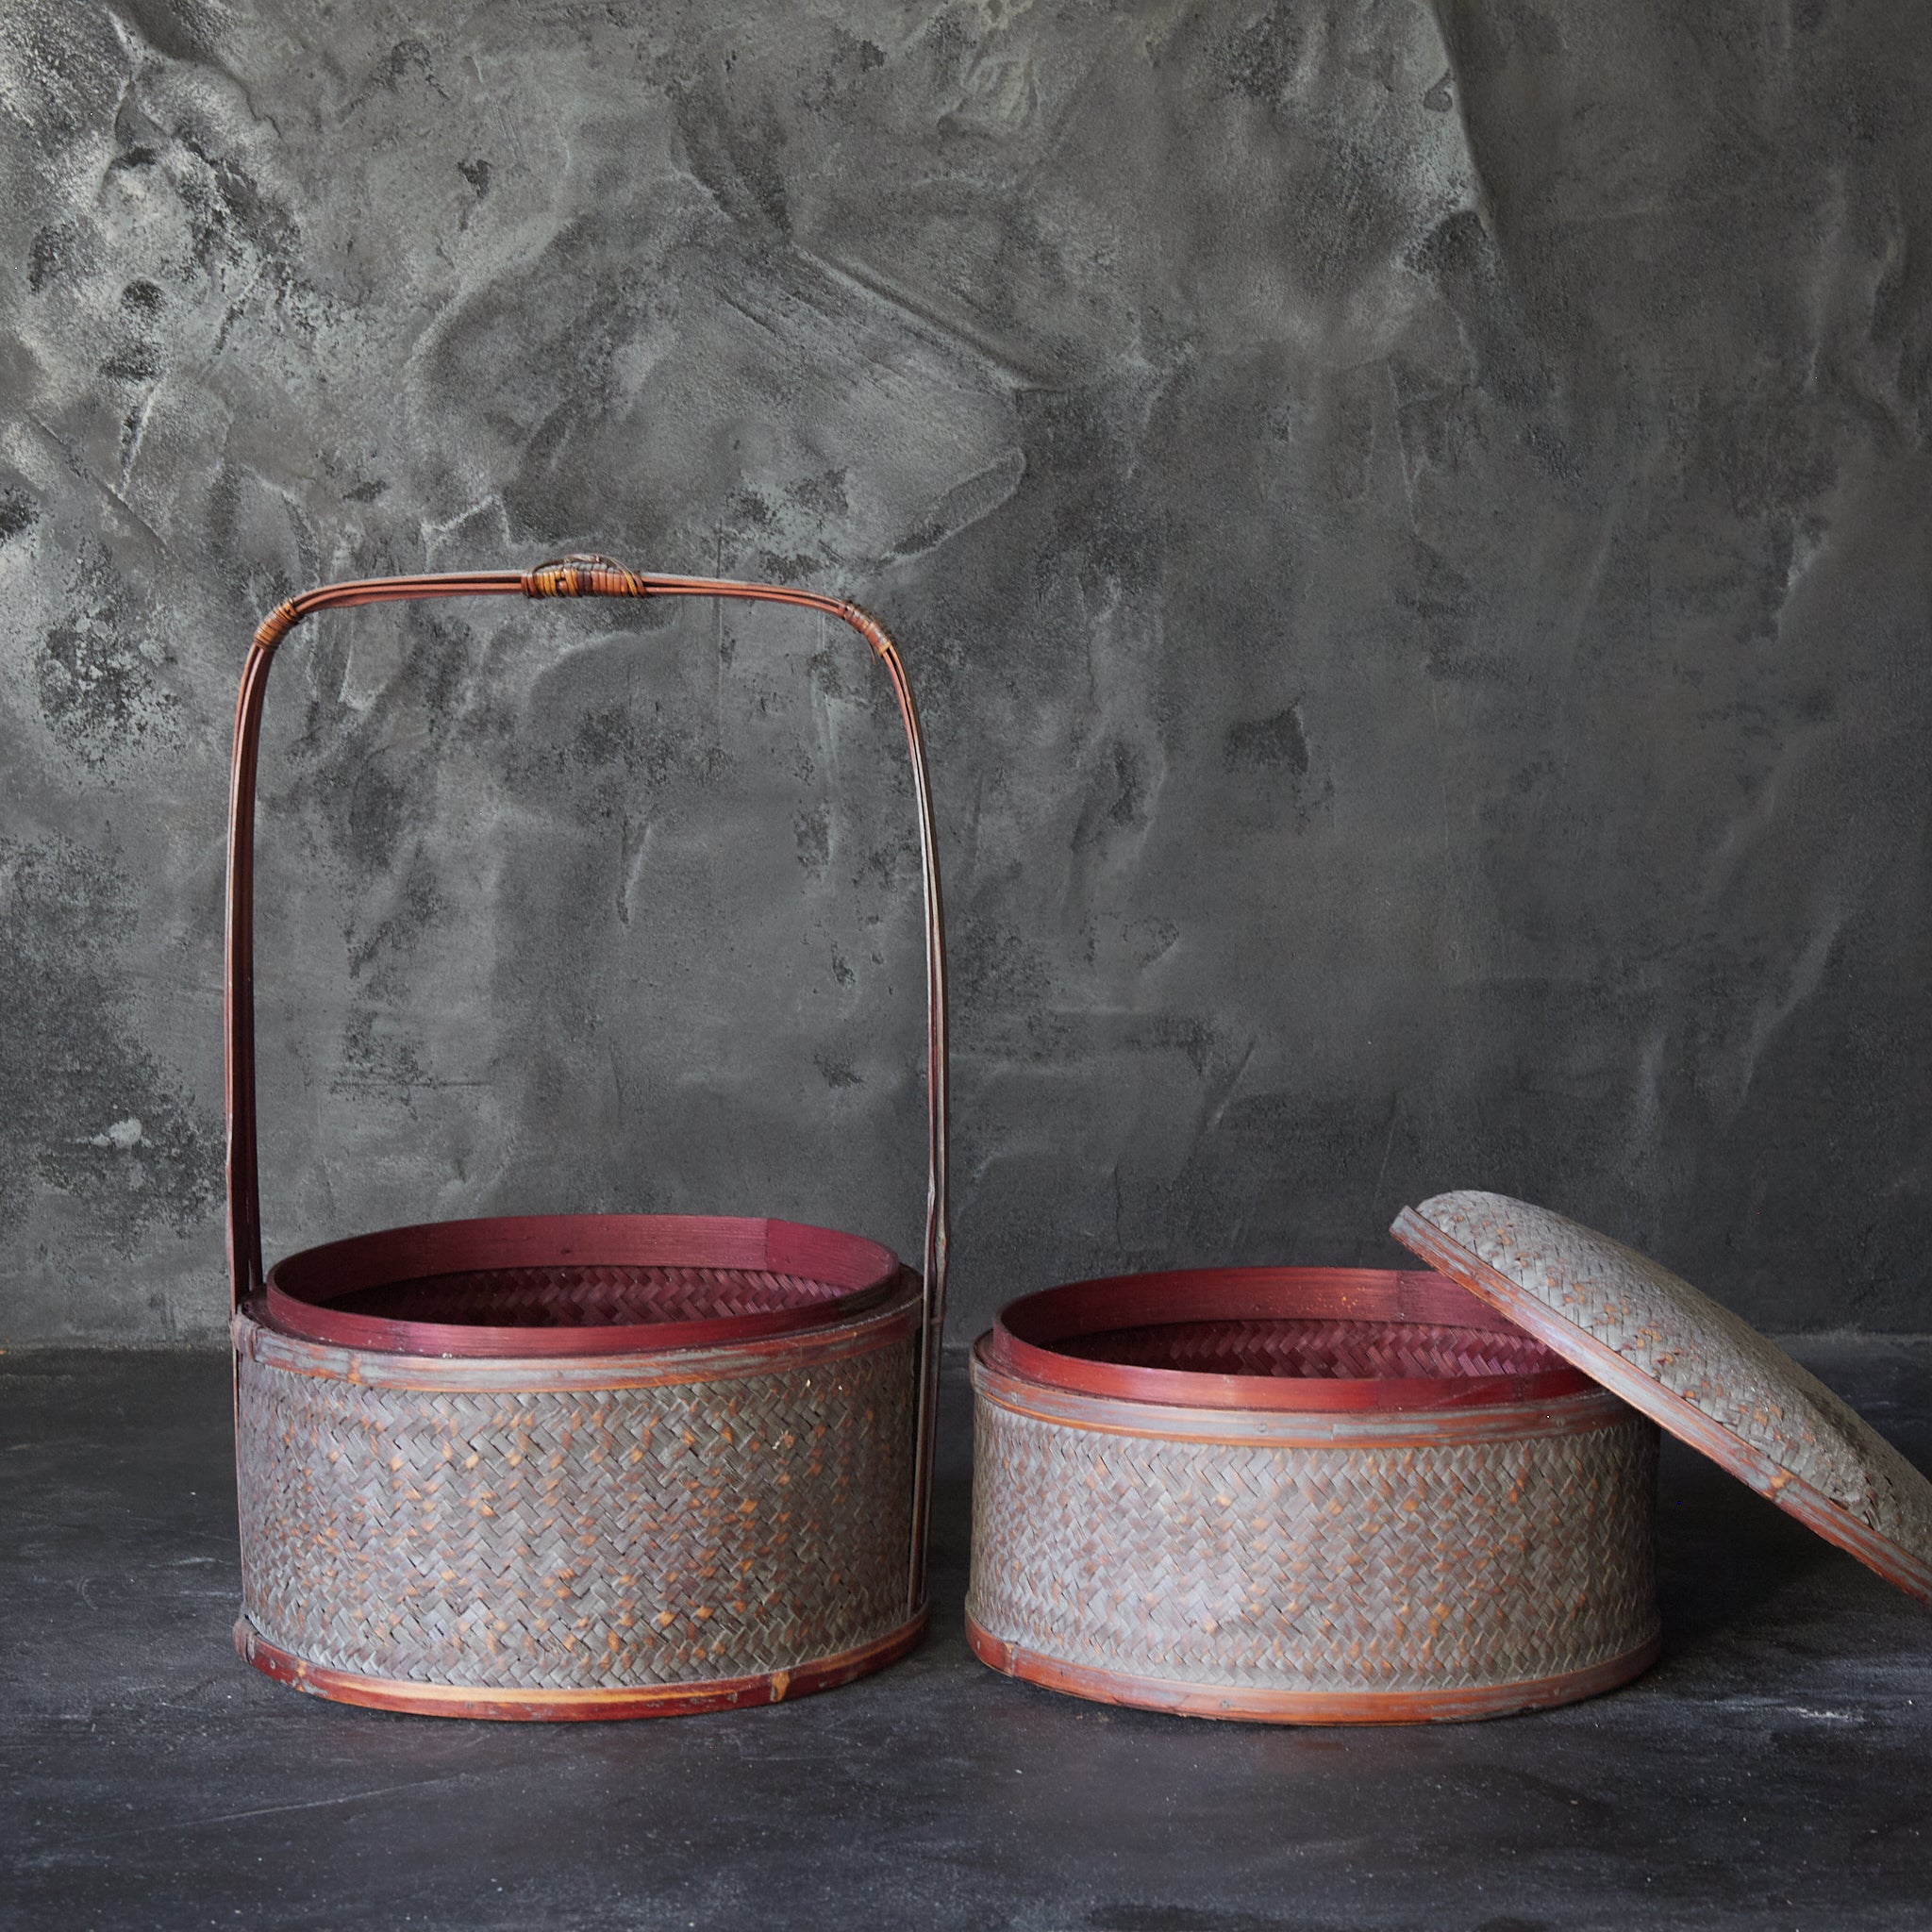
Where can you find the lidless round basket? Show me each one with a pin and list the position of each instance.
(577, 1466)
(1305, 1495)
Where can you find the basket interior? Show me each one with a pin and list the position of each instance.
(569, 1296)
(1348, 1349)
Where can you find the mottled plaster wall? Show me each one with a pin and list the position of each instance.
(1408, 525)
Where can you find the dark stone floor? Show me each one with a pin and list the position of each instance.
(1774, 1770)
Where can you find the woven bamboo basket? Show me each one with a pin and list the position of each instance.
(586, 1466)
(1303, 1495)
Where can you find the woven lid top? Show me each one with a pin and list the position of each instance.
(1697, 1369)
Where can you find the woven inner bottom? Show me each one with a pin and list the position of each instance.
(1350, 1350)
(563, 1296)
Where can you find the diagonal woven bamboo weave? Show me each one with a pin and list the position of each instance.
(595, 1538)
(1365, 1566)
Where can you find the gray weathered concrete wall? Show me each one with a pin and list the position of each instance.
(1409, 527)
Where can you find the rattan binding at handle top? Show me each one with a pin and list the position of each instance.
(575, 575)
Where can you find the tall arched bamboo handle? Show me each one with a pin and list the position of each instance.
(575, 576)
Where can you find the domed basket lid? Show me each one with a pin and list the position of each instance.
(1696, 1368)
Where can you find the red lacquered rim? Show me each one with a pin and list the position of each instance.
(302, 1287)
(1254, 1704)
(1025, 1331)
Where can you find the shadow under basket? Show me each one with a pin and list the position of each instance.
(579, 1466)
(1303, 1495)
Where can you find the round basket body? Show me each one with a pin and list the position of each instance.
(626, 1466)
(1303, 1495)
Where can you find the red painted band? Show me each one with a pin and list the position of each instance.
(1025, 1337)
(1573, 1411)
(832, 1275)
(877, 1325)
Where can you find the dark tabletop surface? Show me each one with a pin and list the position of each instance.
(1773, 1770)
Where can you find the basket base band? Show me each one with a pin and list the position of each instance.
(1254, 1704)
(556, 1706)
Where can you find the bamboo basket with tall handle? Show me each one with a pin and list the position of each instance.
(577, 1466)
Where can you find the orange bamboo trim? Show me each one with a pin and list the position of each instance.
(1260, 1705)
(674, 1700)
